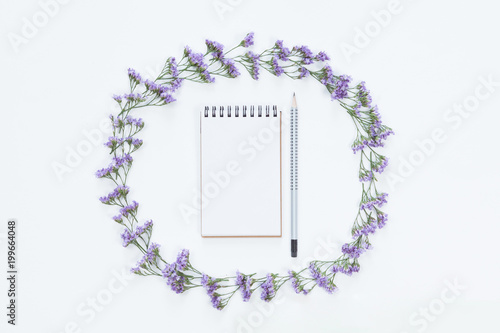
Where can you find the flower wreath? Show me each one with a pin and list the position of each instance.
(278, 60)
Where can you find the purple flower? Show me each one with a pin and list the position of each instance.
(172, 67)
(322, 56)
(326, 76)
(148, 258)
(134, 76)
(277, 69)
(114, 142)
(129, 236)
(341, 87)
(307, 55)
(117, 162)
(129, 209)
(352, 251)
(358, 146)
(175, 280)
(118, 192)
(367, 229)
(167, 98)
(248, 40)
(357, 108)
(135, 122)
(296, 283)
(182, 259)
(105, 172)
(268, 288)
(215, 48)
(283, 52)
(347, 270)
(364, 94)
(211, 287)
(382, 165)
(176, 84)
(303, 72)
(117, 98)
(134, 97)
(230, 67)
(320, 279)
(381, 220)
(366, 177)
(196, 60)
(244, 283)
(118, 218)
(254, 58)
(379, 201)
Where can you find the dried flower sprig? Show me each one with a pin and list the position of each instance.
(278, 60)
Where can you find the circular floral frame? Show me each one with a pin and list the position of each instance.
(278, 60)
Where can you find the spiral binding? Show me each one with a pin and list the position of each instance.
(245, 111)
(294, 145)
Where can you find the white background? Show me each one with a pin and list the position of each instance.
(443, 226)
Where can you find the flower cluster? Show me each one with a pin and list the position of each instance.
(148, 259)
(173, 272)
(346, 269)
(229, 66)
(371, 226)
(134, 76)
(129, 209)
(215, 48)
(132, 97)
(277, 69)
(118, 162)
(248, 40)
(119, 123)
(321, 279)
(378, 201)
(130, 236)
(211, 287)
(172, 67)
(244, 283)
(367, 229)
(281, 51)
(119, 192)
(297, 286)
(115, 142)
(341, 87)
(352, 251)
(303, 72)
(254, 67)
(268, 288)
(197, 62)
(305, 53)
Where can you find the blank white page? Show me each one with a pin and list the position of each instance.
(240, 174)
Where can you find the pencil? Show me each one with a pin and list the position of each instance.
(293, 175)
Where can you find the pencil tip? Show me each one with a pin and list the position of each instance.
(293, 94)
(294, 101)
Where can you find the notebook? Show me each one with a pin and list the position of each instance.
(240, 171)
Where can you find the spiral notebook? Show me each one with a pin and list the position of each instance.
(240, 171)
